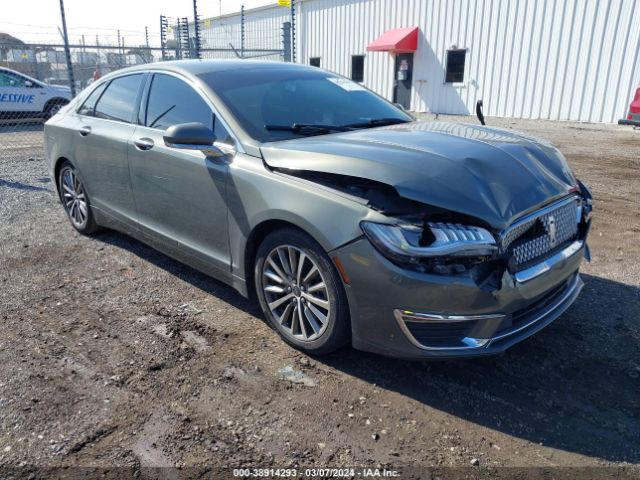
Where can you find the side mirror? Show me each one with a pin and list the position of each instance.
(400, 106)
(192, 136)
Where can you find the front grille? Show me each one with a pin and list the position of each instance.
(534, 237)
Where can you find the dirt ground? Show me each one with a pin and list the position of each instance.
(116, 357)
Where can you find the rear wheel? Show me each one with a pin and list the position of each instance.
(300, 292)
(75, 200)
(53, 107)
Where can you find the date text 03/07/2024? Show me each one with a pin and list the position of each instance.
(315, 473)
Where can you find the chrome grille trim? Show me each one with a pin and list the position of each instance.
(523, 276)
(559, 223)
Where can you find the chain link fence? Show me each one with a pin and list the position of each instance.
(34, 85)
(35, 80)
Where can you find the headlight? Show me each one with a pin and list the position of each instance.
(412, 244)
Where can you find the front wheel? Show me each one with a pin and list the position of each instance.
(300, 292)
(75, 200)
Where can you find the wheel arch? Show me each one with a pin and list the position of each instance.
(255, 238)
(55, 100)
(56, 171)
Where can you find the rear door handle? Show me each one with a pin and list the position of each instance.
(84, 131)
(143, 144)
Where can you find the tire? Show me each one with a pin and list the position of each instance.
(308, 295)
(53, 107)
(75, 200)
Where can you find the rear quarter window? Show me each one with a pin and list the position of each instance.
(89, 105)
(118, 101)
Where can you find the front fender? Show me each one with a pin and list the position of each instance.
(256, 195)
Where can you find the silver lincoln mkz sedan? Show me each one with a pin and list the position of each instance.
(345, 217)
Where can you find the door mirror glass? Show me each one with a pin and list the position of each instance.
(192, 136)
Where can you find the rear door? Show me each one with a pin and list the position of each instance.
(180, 194)
(104, 128)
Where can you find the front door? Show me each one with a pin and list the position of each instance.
(403, 79)
(180, 194)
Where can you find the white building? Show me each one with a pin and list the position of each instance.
(551, 59)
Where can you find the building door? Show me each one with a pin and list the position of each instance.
(403, 79)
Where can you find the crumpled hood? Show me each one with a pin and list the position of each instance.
(487, 173)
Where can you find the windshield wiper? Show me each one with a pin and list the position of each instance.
(376, 122)
(307, 128)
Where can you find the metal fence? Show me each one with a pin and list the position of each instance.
(36, 79)
(34, 84)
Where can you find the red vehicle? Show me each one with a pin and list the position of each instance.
(633, 117)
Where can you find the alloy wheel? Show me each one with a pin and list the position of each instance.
(74, 197)
(296, 293)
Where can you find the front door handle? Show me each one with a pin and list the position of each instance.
(143, 144)
(84, 131)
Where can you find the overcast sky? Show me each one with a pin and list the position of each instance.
(38, 20)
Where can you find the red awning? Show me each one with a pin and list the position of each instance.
(399, 40)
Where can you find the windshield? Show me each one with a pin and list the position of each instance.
(279, 103)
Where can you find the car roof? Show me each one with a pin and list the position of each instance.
(29, 77)
(198, 67)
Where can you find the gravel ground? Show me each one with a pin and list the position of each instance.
(116, 357)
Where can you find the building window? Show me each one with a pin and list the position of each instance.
(455, 66)
(314, 62)
(357, 68)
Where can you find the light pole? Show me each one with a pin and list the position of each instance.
(67, 52)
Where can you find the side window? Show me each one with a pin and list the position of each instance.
(89, 104)
(172, 101)
(119, 99)
(221, 133)
(357, 68)
(9, 80)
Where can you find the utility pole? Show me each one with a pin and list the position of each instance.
(146, 35)
(97, 51)
(67, 52)
(119, 47)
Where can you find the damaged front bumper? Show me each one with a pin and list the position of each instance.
(404, 313)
